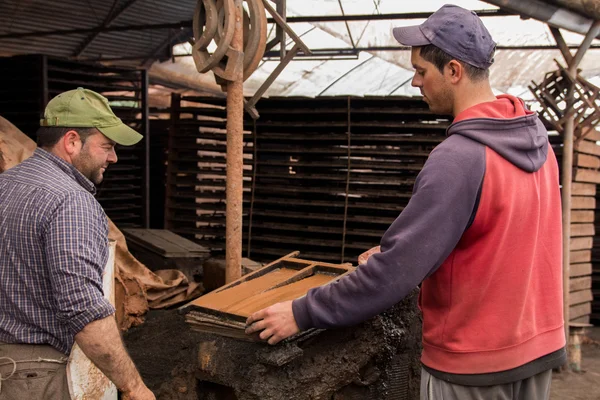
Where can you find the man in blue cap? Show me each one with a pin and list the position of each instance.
(482, 233)
(53, 251)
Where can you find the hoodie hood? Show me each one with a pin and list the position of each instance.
(508, 128)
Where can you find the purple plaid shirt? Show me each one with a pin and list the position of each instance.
(53, 250)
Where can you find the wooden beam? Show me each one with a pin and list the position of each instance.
(583, 48)
(581, 296)
(582, 243)
(590, 133)
(583, 189)
(581, 269)
(561, 44)
(580, 256)
(582, 283)
(580, 310)
(587, 175)
(587, 161)
(578, 230)
(582, 216)
(588, 147)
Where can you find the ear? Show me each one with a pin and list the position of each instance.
(454, 71)
(71, 142)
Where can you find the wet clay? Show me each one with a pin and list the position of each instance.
(222, 300)
(284, 293)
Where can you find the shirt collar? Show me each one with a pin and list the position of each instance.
(66, 167)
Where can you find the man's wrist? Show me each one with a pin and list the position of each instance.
(132, 386)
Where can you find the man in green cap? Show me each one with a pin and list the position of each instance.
(53, 251)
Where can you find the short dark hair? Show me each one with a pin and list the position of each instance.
(48, 136)
(440, 59)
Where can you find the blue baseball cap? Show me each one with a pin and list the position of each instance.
(457, 31)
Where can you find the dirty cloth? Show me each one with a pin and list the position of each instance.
(137, 288)
(536, 387)
(29, 371)
(53, 251)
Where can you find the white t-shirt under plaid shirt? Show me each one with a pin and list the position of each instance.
(53, 249)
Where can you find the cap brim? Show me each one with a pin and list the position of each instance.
(122, 134)
(410, 36)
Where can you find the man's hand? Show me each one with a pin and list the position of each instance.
(276, 322)
(141, 393)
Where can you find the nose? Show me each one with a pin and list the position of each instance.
(112, 156)
(416, 80)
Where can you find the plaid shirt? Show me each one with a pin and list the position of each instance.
(53, 250)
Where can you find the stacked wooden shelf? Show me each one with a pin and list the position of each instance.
(325, 176)
(584, 254)
(196, 171)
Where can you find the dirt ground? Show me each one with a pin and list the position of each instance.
(584, 385)
(161, 344)
(165, 342)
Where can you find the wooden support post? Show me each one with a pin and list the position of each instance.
(567, 179)
(235, 161)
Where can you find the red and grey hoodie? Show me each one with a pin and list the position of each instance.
(483, 234)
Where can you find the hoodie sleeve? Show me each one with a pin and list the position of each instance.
(414, 246)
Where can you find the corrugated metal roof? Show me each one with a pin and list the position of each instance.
(389, 72)
(38, 15)
(370, 73)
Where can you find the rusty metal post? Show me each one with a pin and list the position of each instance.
(235, 161)
(574, 345)
(567, 180)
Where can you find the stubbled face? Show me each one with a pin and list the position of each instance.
(432, 83)
(95, 155)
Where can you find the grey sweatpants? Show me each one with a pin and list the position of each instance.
(535, 388)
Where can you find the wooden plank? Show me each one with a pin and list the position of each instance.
(588, 147)
(181, 242)
(592, 136)
(587, 161)
(583, 203)
(582, 283)
(581, 320)
(580, 269)
(587, 175)
(583, 189)
(578, 230)
(579, 311)
(580, 256)
(164, 242)
(148, 239)
(581, 296)
(582, 216)
(582, 243)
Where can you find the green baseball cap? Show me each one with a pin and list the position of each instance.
(83, 108)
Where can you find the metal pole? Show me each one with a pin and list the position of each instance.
(567, 179)
(279, 32)
(235, 161)
(146, 132)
